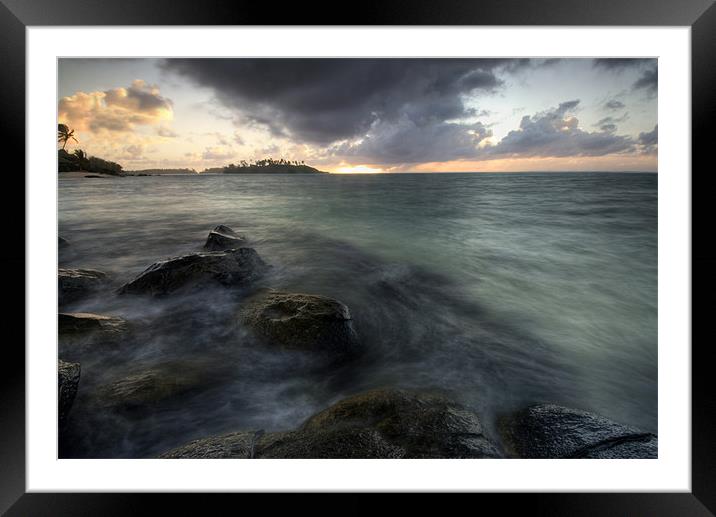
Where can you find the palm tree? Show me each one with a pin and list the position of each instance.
(64, 134)
(81, 158)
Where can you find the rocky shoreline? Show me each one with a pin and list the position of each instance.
(379, 423)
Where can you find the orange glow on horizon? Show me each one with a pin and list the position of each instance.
(615, 162)
(356, 169)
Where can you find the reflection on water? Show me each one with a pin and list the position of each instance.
(503, 290)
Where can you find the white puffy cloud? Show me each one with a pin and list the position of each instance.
(117, 109)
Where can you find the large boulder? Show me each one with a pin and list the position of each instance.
(223, 238)
(551, 431)
(301, 322)
(152, 386)
(230, 267)
(388, 423)
(74, 284)
(68, 378)
(382, 423)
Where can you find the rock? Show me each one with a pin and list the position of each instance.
(301, 322)
(83, 323)
(388, 423)
(234, 445)
(551, 431)
(383, 423)
(152, 386)
(68, 377)
(74, 284)
(332, 444)
(62, 242)
(223, 238)
(78, 329)
(230, 267)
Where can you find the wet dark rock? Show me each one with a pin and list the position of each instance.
(551, 431)
(68, 378)
(388, 423)
(230, 267)
(80, 329)
(62, 242)
(74, 284)
(83, 323)
(383, 423)
(152, 386)
(223, 238)
(234, 445)
(301, 322)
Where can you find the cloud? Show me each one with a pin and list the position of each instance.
(133, 152)
(218, 153)
(609, 124)
(395, 111)
(552, 133)
(564, 107)
(556, 133)
(649, 140)
(619, 64)
(268, 150)
(166, 132)
(323, 101)
(614, 105)
(220, 138)
(139, 97)
(115, 110)
(646, 67)
(408, 142)
(648, 81)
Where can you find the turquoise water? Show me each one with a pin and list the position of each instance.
(502, 289)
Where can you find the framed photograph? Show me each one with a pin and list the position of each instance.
(391, 256)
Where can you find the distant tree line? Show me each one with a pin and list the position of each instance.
(266, 162)
(267, 165)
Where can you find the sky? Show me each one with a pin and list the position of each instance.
(366, 115)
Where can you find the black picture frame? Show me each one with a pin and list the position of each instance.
(700, 15)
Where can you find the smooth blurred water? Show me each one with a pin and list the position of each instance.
(502, 289)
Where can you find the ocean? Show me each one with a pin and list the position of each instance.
(501, 290)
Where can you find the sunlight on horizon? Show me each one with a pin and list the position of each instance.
(357, 169)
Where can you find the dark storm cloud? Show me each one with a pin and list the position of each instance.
(614, 104)
(398, 111)
(322, 101)
(622, 63)
(556, 133)
(649, 81)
